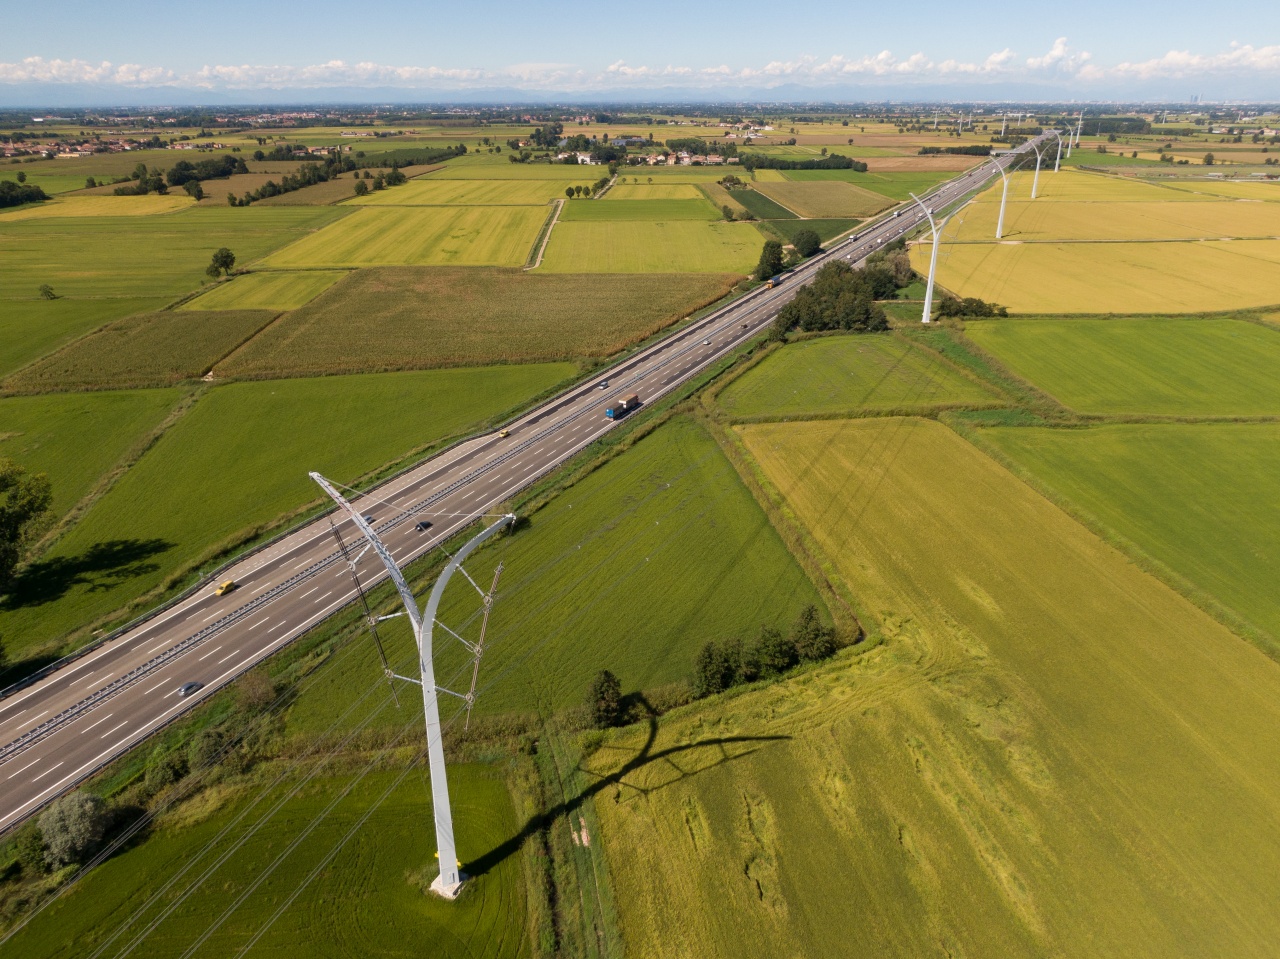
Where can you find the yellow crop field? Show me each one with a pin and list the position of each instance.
(1239, 189)
(651, 191)
(1069, 184)
(1121, 220)
(675, 246)
(1112, 277)
(419, 236)
(432, 192)
(266, 291)
(825, 198)
(768, 176)
(1052, 753)
(95, 206)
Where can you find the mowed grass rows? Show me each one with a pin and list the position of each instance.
(646, 247)
(1056, 753)
(403, 236)
(274, 290)
(430, 191)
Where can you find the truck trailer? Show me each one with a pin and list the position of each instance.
(616, 411)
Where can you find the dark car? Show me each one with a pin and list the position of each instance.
(186, 689)
(423, 526)
(369, 519)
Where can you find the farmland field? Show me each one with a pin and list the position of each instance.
(429, 191)
(31, 328)
(589, 210)
(238, 460)
(415, 317)
(150, 349)
(1204, 500)
(470, 169)
(760, 205)
(94, 206)
(407, 236)
(362, 902)
(826, 229)
(632, 569)
(1179, 367)
(896, 186)
(1248, 190)
(1056, 753)
(655, 191)
(77, 438)
(825, 198)
(843, 374)
(1112, 277)
(680, 246)
(266, 291)
(1028, 220)
(162, 256)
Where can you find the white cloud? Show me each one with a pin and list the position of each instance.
(1061, 65)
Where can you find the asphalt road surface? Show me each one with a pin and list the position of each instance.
(58, 731)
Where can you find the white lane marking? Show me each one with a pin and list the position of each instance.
(304, 563)
(283, 622)
(308, 592)
(113, 729)
(98, 723)
(47, 771)
(155, 687)
(216, 612)
(320, 599)
(85, 680)
(208, 654)
(226, 657)
(164, 642)
(19, 716)
(26, 767)
(258, 623)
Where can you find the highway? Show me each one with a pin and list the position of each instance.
(59, 730)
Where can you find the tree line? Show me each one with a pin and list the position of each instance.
(836, 161)
(16, 194)
(969, 150)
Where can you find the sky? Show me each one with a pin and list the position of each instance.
(253, 51)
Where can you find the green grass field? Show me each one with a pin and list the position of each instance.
(266, 291)
(760, 205)
(826, 229)
(625, 189)
(147, 256)
(77, 438)
(31, 328)
(238, 460)
(1180, 367)
(845, 374)
(429, 191)
(361, 903)
(1203, 499)
(478, 168)
(679, 246)
(632, 210)
(895, 186)
(1047, 729)
(422, 236)
(415, 317)
(631, 570)
(825, 199)
(96, 206)
(150, 349)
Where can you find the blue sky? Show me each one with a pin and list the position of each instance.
(1087, 49)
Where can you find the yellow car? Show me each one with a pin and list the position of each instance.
(503, 434)
(225, 588)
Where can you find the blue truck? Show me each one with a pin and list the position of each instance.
(616, 411)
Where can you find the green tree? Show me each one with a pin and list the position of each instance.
(379, 183)
(807, 243)
(22, 176)
(727, 212)
(90, 183)
(30, 849)
(24, 512)
(1208, 159)
(46, 292)
(568, 191)
(812, 640)
(72, 826)
(770, 264)
(775, 652)
(194, 189)
(164, 768)
(361, 188)
(716, 667)
(604, 700)
(222, 262)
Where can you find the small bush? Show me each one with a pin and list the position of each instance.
(604, 699)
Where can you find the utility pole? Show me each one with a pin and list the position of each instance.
(449, 882)
(1035, 183)
(1004, 124)
(1004, 195)
(933, 258)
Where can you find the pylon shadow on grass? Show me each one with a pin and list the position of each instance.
(644, 757)
(102, 566)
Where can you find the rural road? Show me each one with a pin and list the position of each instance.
(59, 730)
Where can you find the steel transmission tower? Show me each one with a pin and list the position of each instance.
(449, 882)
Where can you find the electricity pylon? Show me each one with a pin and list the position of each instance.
(449, 882)
(933, 257)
